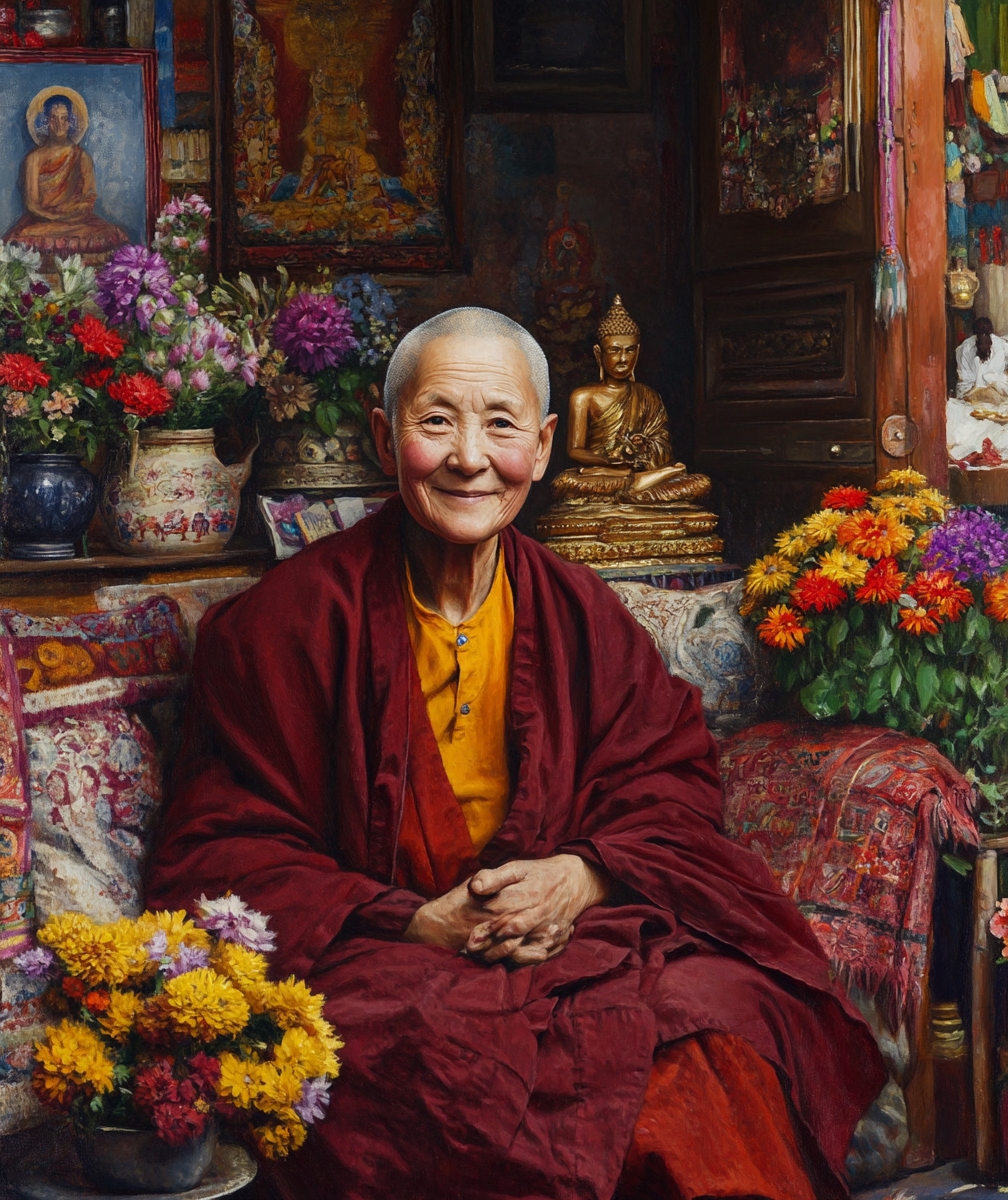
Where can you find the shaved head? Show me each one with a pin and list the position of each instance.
(466, 323)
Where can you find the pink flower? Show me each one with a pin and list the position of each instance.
(200, 380)
(192, 305)
(202, 245)
(16, 404)
(999, 921)
(173, 380)
(177, 355)
(250, 370)
(180, 243)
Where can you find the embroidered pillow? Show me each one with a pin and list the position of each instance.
(95, 785)
(80, 663)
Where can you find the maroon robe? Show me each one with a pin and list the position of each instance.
(459, 1078)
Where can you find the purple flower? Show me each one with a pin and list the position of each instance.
(314, 1100)
(233, 921)
(177, 355)
(314, 332)
(132, 272)
(200, 380)
(157, 947)
(189, 958)
(191, 305)
(971, 543)
(250, 369)
(172, 380)
(35, 963)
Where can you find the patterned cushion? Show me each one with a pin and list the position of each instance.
(71, 664)
(704, 640)
(95, 785)
(848, 818)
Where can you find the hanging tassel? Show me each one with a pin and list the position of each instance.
(890, 273)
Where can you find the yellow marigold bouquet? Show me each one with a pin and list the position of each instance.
(892, 606)
(170, 1022)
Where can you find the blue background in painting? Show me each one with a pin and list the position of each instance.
(113, 94)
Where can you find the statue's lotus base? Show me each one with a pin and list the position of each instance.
(615, 535)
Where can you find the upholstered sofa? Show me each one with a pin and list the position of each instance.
(850, 819)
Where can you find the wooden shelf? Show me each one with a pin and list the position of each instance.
(130, 564)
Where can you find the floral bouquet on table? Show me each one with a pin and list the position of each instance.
(323, 351)
(183, 368)
(892, 607)
(172, 1022)
(58, 355)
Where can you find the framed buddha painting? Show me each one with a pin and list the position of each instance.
(79, 157)
(341, 134)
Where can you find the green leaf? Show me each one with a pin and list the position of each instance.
(895, 680)
(882, 657)
(815, 698)
(927, 684)
(979, 686)
(957, 864)
(856, 617)
(837, 633)
(982, 625)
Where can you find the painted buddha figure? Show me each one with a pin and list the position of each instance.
(58, 185)
(618, 430)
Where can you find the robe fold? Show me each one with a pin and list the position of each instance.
(302, 749)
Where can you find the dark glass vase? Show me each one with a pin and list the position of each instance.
(49, 503)
(137, 1160)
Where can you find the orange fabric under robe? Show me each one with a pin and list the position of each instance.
(714, 1122)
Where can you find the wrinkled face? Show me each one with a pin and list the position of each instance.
(617, 355)
(468, 440)
(59, 122)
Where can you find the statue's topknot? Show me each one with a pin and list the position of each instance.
(617, 323)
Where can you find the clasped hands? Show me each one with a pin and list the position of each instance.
(523, 911)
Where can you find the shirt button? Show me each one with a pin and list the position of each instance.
(464, 710)
(461, 640)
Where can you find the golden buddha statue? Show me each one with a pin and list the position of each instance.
(626, 501)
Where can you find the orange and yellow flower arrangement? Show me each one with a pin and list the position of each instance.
(891, 605)
(170, 1023)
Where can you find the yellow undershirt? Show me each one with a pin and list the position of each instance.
(464, 673)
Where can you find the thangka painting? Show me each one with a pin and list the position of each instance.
(782, 104)
(340, 133)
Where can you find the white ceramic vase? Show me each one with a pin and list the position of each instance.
(166, 492)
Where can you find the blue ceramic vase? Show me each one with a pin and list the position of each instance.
(49, 503)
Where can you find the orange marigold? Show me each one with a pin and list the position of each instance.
(815, 590)
(883, 584)
(874, 535)
(919, 620)
(845, 497)
(782, 628)
(996, 598)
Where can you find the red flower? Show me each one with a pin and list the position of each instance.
(96, 338)
(883, 584)
(96, 1001)
(204, 1071)
(940, 589)
(919, 620)
(97, 378)
(22, 373)
(169, 1103)
(141, 395)
(73, 987)
(814, 590)
(845, 497)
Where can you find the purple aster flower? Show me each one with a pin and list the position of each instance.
(250, 369)
(210, 335)
(971, 543)
(314, 332)
(177, 355)
(189, 958)
(314, 1100)
(132, 272)
(35, 963)
(231, 919)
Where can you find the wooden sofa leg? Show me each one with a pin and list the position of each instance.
(985, 898)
